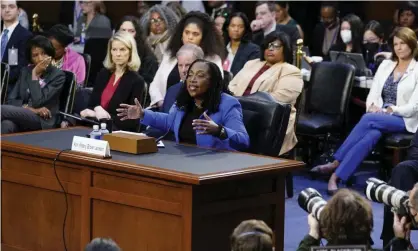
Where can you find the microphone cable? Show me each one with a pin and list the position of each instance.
(65, 195)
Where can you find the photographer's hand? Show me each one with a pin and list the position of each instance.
(400, 226)
(313, 227)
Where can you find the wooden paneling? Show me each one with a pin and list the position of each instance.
(140, 207)
(32, 218)
(136, 228)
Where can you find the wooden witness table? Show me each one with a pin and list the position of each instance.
(182, 198)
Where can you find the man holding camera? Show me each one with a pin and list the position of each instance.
(402, 226)
(404, 177)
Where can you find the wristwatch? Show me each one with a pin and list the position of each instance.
(222, 132)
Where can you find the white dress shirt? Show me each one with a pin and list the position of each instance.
(11, 28)
(230, 57)
(273, 28)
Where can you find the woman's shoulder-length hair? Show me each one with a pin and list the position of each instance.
(124, 37)
(42, 42)
(408, 36)
(284, 39)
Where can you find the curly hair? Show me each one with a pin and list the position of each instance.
(252, 235)
(143, 47)
(212, 98)
(212, 42)
(347, 219)
(170, 18)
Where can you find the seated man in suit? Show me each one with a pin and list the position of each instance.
(265, 23)
(404, 177)
(13, 40)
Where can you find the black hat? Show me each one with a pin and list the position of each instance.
(62, 34)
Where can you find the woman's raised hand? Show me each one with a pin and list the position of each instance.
(130, 111)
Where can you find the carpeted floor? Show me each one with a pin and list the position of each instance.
(296, 219)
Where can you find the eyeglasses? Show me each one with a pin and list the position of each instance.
(274, 46)
(156, 20)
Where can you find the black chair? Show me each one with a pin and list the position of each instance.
(87, 60)
(266, 122)
(227, 77)
(67, 94)
(397, 143)
(5, 74)
(327, 99)
(97, 49)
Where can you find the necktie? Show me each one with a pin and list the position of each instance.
(4, 40)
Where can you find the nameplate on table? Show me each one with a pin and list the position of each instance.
(91, 146)
(340, 248)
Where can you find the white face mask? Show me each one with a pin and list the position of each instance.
(346, 36)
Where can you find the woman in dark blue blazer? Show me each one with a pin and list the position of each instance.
(239, 48)
(204, 114)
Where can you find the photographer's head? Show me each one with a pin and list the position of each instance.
(347, 219)
(252, 235)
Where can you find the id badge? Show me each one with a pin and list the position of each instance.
(13, 56)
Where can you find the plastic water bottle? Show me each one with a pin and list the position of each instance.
(103, 129)
(83, 33)
(95, 134)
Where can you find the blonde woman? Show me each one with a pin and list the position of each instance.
(118, 82)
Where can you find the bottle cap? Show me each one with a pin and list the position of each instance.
(103, 125)
(96, 127)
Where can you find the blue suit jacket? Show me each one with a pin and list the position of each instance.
(229, 116)
(246, 51)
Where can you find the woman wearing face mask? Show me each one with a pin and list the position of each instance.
(159, 23)
(373, 43)
(351, 35)
(204, 113)
(194, 28)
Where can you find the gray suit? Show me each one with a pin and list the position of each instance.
(30, 92)
(99, 27)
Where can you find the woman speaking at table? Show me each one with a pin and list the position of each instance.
(204, 114)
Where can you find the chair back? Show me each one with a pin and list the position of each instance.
(266, 122)
(87, 60)
(330, 89)
(68, 93)
(97, 49)
(5, 74)
(227, 77)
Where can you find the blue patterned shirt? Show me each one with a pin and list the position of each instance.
(390, 90)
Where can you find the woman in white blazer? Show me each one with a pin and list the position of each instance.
(392, 107)
(195, 28)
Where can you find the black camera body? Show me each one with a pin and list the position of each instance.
(378, 191)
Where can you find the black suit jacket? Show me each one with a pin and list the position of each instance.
(131, 86)
(413, 149)
(17, 40)
(291, 30)
(48, 96)
(246, 51)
